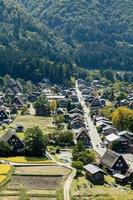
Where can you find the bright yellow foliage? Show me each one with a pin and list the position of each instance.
(122, 118)
(53, 105)
(4, 168)
(24, 159)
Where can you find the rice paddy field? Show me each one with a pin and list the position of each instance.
(40, 182)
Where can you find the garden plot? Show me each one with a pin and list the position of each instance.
(37, 182)
(42, 170)
(9, 198)
(42, 198)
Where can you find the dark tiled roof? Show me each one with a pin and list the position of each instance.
(83, 130)
(7, 135)
(109, 158)
(76, 110)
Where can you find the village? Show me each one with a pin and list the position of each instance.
(88, 134)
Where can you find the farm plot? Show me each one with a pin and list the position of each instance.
(42, 198)
(42, 170)
(9, 198)
(37, 182)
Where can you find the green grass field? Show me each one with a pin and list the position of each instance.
(29, 121)
(83, 189)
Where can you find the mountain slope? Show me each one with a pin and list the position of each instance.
(28, 48)
(99, 31)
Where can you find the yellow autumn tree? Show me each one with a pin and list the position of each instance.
(122, 118)
(53, 105)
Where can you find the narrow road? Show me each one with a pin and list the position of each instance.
(68, 184)
(69, 179)
(95, 138)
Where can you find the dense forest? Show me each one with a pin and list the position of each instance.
(28, 48)
(50, 37)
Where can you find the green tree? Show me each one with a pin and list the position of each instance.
(86, 157)
(77, 165)
(58, 119)
(116, 146)
(5, 149)
(35, 142)
(121, 96)
(79, 147)
(42, 106)
(107, 111)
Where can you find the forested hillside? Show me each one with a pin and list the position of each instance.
(99, 31)
(41, 37)
(28, 48)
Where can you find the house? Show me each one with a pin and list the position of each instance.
(83, 136)
(105, 96)
(82, 86)
(81, 81)
(121, 142)
(14, 108)
(94, 174)
(116, 104)
(112, 137)
(76, 116)
(77, 124)
(89, 99)
(18, 101)
(13, 140)
(114, 163)
(86, 91)
(121, 179)
(76, 110)
(55, 97)
(131, 105)
(19, 86)
(101, 119)
(74, 97)
(109, 130)
(63, 103)
(3, 115)
(61, 111)
(9, 93)
(127, 135)
(19, 128)
(11, 82)
(100, 124)
(96, 104)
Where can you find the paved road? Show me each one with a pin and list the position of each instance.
(96, 141)
(68, 184)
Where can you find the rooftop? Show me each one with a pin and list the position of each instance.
(93, 169)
